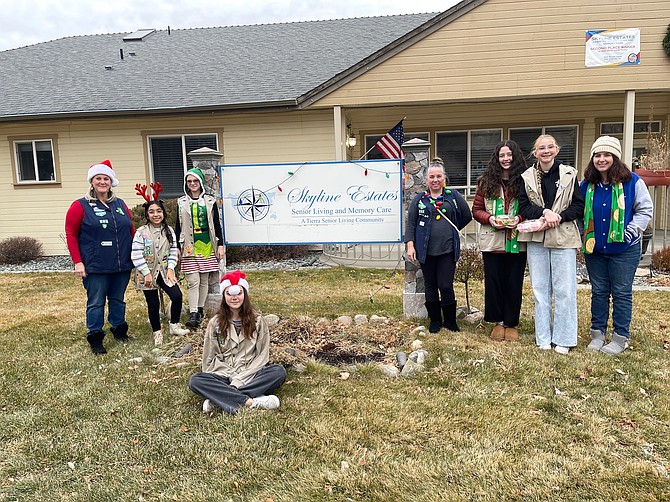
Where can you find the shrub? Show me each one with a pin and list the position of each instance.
(660, 260)
(469, 267)
(16, 250)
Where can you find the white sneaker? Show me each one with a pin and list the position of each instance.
(265, 402)
(177, 329)
(158, 337)
(546, 346)
(207, 406)
(562, 350)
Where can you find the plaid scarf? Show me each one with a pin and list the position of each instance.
(618, 209)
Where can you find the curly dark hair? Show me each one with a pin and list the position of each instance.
(164, 225)
(248, 315)
(618, 173)
(491, 179)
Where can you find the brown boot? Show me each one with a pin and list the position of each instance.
(511, 334)
(498, 333)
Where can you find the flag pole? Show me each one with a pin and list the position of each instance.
(373, 146)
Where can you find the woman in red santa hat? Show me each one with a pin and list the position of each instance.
(99, 232)
(235, 370)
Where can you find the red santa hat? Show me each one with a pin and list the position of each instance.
(105, 167)
(234, 280)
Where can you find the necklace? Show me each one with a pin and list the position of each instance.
(437, 204)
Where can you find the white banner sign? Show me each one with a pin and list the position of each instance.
(613, 47)
(312, 203)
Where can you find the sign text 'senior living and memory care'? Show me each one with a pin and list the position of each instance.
(312, 203)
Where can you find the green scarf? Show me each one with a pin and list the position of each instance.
(511, 234)
(618, 210)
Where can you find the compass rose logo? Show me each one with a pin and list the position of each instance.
(253, 205)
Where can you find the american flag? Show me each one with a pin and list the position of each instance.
(389, 145)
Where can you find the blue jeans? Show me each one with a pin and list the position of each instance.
(553, 273)
(101, 288)
(612, 276)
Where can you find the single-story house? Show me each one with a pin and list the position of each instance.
(465, 78)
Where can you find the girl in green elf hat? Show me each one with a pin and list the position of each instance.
(200, 238)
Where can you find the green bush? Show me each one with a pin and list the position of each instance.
(660, 260)
(20, 249)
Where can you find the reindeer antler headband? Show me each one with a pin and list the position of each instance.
(141, 190)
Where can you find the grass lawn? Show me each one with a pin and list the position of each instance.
(484, 421)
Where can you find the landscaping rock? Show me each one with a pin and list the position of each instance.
(344, 320)
(411, 368)
(272, 320)
(376, 319)
(401, 358)
(360, 319)
(417, 344)
(418, 330)
(418, 356)
(389, 370)
(474, 317)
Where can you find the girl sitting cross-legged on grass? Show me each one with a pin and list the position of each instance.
(235, 370)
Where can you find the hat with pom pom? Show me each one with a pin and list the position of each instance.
(105, 167)
(234, 280)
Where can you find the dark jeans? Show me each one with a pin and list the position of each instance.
(217, 388)
(102, 288)
(612, 275)
(153, 303)
(503, 287)
(438, 275)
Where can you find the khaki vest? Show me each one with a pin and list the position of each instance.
(566, 235)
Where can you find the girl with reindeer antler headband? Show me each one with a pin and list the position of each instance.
(155, 255)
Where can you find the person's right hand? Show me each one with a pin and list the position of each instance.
(148, 281)
(80, 270)
(494, 223)
(411, 252)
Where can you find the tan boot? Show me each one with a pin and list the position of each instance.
(158, 337)
(511, 334)
(498, 333)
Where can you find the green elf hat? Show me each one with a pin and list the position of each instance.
(198, 174)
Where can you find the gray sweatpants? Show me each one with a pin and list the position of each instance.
(218, 390)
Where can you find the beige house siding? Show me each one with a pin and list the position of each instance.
(585, 112)
(507, 49)
(39, 209)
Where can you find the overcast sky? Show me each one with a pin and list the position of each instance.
(25, 22)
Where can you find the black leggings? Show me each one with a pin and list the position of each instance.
(438, 274)
(153, 303)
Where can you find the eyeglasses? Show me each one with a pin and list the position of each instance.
(192, 182)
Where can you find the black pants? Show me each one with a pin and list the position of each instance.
(503, 287)
(438, 275)
(219, 391)
(153, 303)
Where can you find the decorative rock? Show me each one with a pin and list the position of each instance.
(360, 319)
(418, 330)
(163, 359)
(272, 320)
(412, 167)
(411, 368)
(135, 360)
(322, 321)
(344, 320)
(417, 344)
(377, 319)
(290, 351)
(401, 358)
(418, 356)
(389, 370)
(475, 317)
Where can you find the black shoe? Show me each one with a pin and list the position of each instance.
(194, 320)
(95, 341)
(201, 313)
(121, 332)
(449, 313)
(434, 314)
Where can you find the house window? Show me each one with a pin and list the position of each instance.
(169, 159)
(639, 127)
(466, 154)
(566, 137)
(34, 160)
(371, 141)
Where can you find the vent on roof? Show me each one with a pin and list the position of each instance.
(139, 35)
